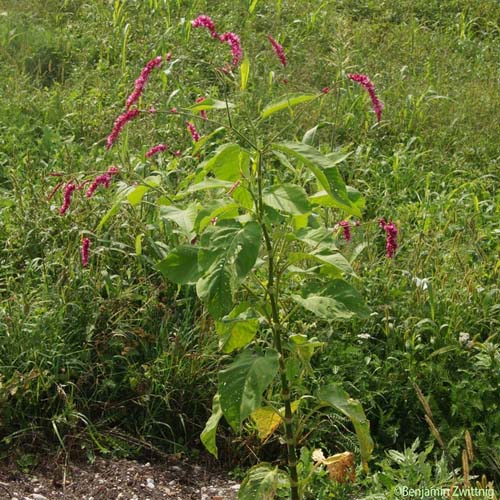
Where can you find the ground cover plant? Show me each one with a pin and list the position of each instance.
(107, 357)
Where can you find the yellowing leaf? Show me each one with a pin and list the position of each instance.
(267, 420)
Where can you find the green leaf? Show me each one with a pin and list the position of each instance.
(185, 219)
(252, 8)
(204, 139)
(214, 288)
(209, 184)
(323, 199)
(135, 194)
(242, 383)
(335, 263)
(210, 103)
(287, 198)
(227, 164)
(237, 246)
(238, 328)
(261, 482)
(347, 295)
(222, 211)
(325, 170)
(245, 70)
(209, 433)
(181, 265)
(286, 102)
(335, 396)
(324, 307)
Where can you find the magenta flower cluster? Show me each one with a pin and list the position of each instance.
(156, 149)
(101, 180)
(118, 125)
(142, 80)
(278, 50)
(68, 191)
(346, 228)
(85, 251)
(365, 82)
(391, 232)
(192, 130)
(232, 39)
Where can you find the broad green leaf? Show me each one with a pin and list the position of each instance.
(209, 433)
(344, 293)
(204, 139)
(323, 199)
(245, 70)
(335, 263)
(210, 103)
(267, 419)
(238, 328)
(185, 219)
(335, 396)
(324, 307)
(324, 169)
(112, 211)
(242, 383)
(227, 164)
(135, 194)
(305, 346)
(235, 245)
(286, 102)
(209, 184)
(287, 198)
(214, 288)
(181, 265)
(261, 482)
(222, 212)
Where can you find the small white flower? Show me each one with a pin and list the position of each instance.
(317, 455)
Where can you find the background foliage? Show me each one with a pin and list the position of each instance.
(115, 359)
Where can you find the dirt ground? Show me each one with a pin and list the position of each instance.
(117, 480)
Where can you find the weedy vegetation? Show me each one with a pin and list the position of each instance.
(257, 228)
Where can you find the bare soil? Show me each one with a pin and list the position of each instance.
(108, 479)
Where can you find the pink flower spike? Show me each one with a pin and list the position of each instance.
(346, 227)
(113, 170)
(142, 80)
(168, 57)
(204, 21)
(118, 125)
(85, 251)
(278, 50)
(178, 153)
(233, 40)
(54, 191)
(68, 191)
(203, 113)
(391, 232)
(365, 82)
(325, 90)
(100, 180)
(156, 149)
(193, 131)
(174, 111)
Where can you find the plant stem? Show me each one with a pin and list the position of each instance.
(277, 333)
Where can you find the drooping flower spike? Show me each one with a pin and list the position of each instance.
(156, 149)
(118, 125)
(391, 232)
(192, 130)
(278, 50)
(141, 81)
(68, 191)
(365, 82)
(101, 180)
(233, 40)
(204, 21)
(346, 228)
(85, 251)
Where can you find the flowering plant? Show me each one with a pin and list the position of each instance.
(248, 231)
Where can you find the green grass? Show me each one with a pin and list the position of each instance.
(87, 352)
